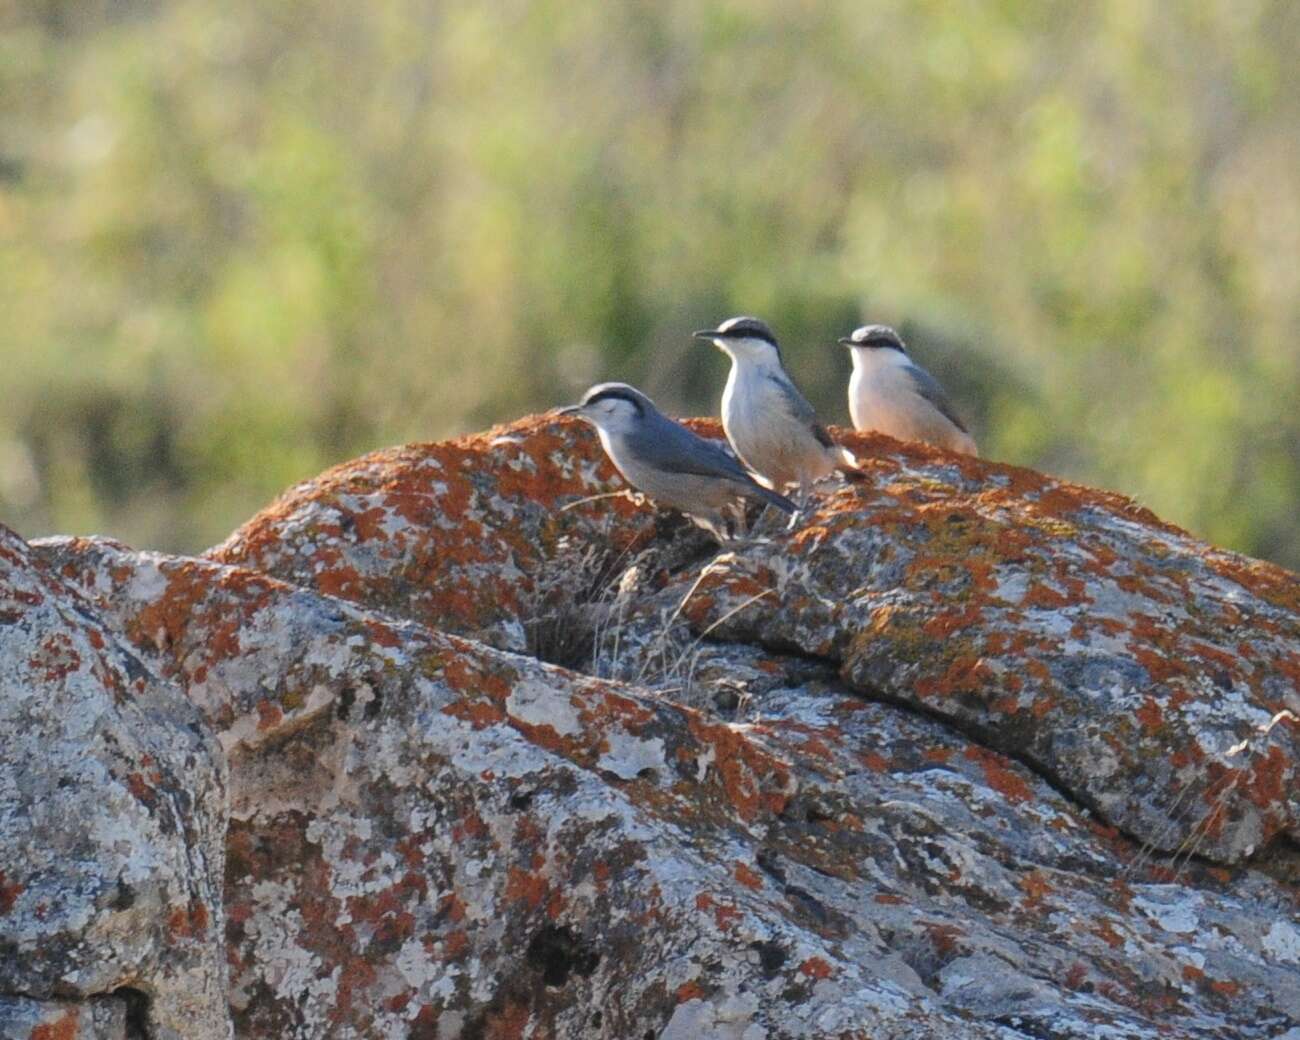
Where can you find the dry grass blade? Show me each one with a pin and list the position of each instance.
(1192, 844)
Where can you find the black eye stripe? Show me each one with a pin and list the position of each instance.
(880, 337)
(749, 332)
(615, 395)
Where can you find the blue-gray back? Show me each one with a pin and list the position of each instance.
(801, 410)
(928, 387)
(672, 447)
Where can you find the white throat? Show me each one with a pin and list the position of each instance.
(753, 356)
(871, 360)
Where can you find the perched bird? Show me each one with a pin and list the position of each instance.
(889, 392)
(770, 425)
(665, 460)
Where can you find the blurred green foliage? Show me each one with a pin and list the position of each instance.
(242, 240)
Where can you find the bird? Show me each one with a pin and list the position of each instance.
(667, 462)
(771, 426)
(891, 393)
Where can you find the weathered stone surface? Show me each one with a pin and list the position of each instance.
(432, 838)
(858, 781)
(99, 1018)
(466, 535)
(1155, 678)
(112, 813)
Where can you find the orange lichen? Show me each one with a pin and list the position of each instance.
(1041, 596)
(9, 893)
(1266, 786)
(1035, 885)
(1105, 931)
(815, 746)
(382, 634)
(725, 915)
(189, 922)
(1150, 715)
(66, 1028)
(816, 968)
(479, 714)
(689, 991)
(966, 673)
(747, 877)
(526, 886)
(1000, 776)
(1215, 656)
(945, 624)
(742, 768)
(608, 704)
(455, 945)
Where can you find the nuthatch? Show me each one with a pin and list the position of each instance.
(769, 423)
(889, 392)
(665, 460)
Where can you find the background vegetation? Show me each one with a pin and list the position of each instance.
(242, 240)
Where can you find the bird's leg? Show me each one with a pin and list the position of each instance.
(801, 501)
(737, 509)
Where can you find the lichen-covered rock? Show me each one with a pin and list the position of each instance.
(971, 754)
(99, 1018)
(1153, 677)
(112, 814)
(468, 536)
(431, 838)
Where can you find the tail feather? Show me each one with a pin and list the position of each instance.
(772, 498)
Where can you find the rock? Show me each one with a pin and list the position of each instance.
(712, 825)
(469, 536)
(99, 1018)
(1152, 677)
(432, 836)
(112, 827)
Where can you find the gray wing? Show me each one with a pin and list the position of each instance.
(928, 387)
(802, 411)
(672, 447)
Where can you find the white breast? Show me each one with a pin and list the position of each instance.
(883, 397)
(769, 440)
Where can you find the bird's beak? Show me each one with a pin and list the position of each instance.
(705, 334)
(569, 409)
(847, 341)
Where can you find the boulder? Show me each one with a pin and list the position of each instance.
(469, 535)
(727, 817)
(1153, 678)
(112, 829)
